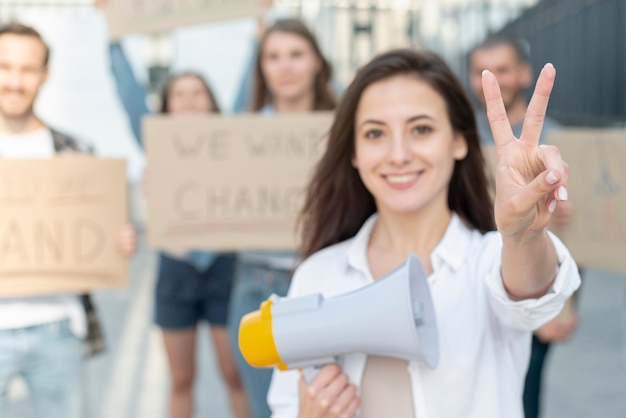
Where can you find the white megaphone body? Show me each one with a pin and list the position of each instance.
(393, 317)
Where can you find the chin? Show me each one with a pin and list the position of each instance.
(292, 94)
(13, 113)
(403, 209)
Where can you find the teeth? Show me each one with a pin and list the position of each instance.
(405, 178)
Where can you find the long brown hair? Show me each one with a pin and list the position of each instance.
(337, 202)
(167, 86)
(324, 99)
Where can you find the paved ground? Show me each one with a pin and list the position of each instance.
(585, 377)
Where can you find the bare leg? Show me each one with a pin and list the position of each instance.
(228, 369)
(181, 352)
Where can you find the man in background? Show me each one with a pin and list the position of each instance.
(41, 337)
(507, 59)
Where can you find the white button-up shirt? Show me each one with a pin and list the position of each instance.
(484, 336)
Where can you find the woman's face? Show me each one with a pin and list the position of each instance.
(289, 65)
(187, 95)
(405, 147)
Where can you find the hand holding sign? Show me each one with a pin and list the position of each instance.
(530, 178)
(127, 240)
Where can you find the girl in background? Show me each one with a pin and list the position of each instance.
(195, 286)
(291, 75)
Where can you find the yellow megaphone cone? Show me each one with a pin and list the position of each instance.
(256, 339)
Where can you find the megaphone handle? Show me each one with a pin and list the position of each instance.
(310, 373)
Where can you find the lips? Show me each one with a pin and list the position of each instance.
(13, 97)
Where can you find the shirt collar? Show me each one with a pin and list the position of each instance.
(454, 245)
(357, 254)
(450, 251)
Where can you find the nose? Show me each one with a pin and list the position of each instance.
(285, 63)
(399, 152)
(14, 80)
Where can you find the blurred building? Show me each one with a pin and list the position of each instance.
(585, 39)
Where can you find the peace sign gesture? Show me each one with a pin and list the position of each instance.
(530, 178)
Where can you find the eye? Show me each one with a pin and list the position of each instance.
(272, 56)
(296, 54)
(422, 129)
(373, 133)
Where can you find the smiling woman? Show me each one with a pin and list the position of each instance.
(405, 146)
(403, 173)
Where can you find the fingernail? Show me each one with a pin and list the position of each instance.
(562, 193)
(551, 178)
(485, 72)
(549, 64)
(552, 205)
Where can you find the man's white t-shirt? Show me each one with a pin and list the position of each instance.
(23, 312)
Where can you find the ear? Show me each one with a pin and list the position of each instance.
(318, 65)
(459, 147)
(45, 74)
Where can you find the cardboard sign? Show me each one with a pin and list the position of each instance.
(229, 183)
(597, 190)
(149, 16)
(59, 222)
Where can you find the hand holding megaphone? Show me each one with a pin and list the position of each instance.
(330, 394)
(391, 317)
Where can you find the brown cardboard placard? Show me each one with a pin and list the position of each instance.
(229, 183)
(597, 189)
(126, 17)
(59, 222)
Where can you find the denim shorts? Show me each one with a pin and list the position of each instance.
(253, 285)
(185, 295)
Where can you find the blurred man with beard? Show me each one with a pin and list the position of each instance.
(41, 337)
(507, 58)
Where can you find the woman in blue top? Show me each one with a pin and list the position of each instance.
(195, 286)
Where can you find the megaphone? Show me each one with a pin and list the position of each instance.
(391, 317)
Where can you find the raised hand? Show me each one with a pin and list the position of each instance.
(530, 178)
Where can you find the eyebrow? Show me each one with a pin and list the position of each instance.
(411, 119)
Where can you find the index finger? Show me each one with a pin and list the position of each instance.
(536, 112)
(496, 113)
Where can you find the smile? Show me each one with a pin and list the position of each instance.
(401, 178)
